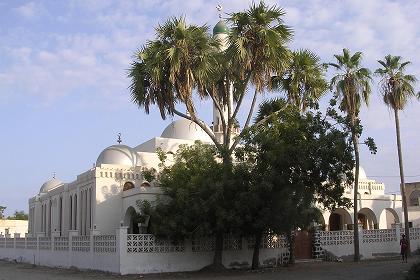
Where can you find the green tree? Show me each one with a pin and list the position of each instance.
(352, 87)
(192, 204)
(184, 62)
(2, 208)
(18, 215)
(291, 163)
(303, 82)
(397, 88)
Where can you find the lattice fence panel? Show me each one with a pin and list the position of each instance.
(379, 235)
(342, 237)
(232, 243)
(104, 243)
(269, 241)
(31, 243)
(80, 243)
(203, 244)
(415, 233)
(20, 243)
(10, 242)
(61, 243)
(147, 243)
(45, 243)
(2, 242)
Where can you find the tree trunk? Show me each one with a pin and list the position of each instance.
(355, 140)
(402, 186)
(256, 253)
(218, 250)
(291, 239)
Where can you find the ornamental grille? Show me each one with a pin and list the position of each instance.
(414, 233)
(44, 243)
(203, 244)
(20, 243)
(148, 243)
(61, 243)
(269, 241)
(342, 237)
(10, 242)
(379, 235)
(80, 243)
(31, 243)
(104, 243)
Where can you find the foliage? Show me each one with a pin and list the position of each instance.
(18, 215)
(396, 86)
(193, 195)
(149, 174)
(2, 208)
(303, 82)
(289, 164)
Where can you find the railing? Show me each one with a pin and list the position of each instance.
(99, 243)
(342, 237)
(379, 235)
(148, 243)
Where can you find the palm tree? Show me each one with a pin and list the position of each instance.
(352, 87)
(396, 88)
(303, 81)
(184, 60)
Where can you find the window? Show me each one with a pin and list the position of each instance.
(128, 186)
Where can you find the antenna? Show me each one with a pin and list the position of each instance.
(54, 175)
(219, 8)
(119, 138)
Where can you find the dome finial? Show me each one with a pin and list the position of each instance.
(54, 175)
(119, 138)
(219, 8)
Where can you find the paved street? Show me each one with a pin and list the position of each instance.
(383, 270)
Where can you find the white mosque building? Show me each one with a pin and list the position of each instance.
(104, 197)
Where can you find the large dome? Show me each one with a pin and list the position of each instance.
(185, 129)
(118, 154)
(49, 185)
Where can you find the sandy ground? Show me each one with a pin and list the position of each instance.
(369, 270)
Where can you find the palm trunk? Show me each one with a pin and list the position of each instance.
(256, 253)
(355, 140)
(218, 250)
(402, 186)
(291, 239)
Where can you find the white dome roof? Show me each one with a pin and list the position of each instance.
(185, 129)
(49, 185)
(118, 154)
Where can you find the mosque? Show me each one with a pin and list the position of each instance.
(104, 197)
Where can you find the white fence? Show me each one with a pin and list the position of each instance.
(373, 243)
(138, 253)
(85, 252)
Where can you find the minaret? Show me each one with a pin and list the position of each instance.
(220, 33)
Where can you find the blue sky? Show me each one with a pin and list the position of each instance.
(63, 85)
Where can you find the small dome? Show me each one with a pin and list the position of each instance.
(220, 28)
(50, 185)
(185, 129)
(118, 154)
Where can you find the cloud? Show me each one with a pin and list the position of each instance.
(29, 10)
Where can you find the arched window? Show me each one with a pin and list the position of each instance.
(128, 186)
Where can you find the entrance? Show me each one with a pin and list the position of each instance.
(303, 245)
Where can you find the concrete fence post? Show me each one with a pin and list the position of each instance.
(72, 233)
(121, 236)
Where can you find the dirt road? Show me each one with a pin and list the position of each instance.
(369, 270)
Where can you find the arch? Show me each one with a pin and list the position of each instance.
(414, 198)
(367, 219)
(130, 220)
(339, 219)
(388, 218)
(128, 186)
